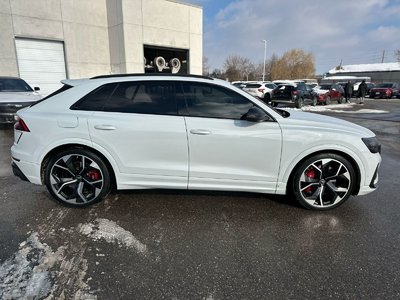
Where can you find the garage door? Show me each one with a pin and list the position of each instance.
(41, 63)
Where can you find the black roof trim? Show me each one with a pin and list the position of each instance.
(150, 75)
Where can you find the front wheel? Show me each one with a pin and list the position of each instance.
(324, 181)
(314, 101)
(77, 177)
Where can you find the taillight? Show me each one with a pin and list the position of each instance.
(388, 91)
(21, 126)
(294, 92)
(261, 90)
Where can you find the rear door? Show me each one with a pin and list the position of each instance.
(283, 92)
(225, 152)
(137, 124)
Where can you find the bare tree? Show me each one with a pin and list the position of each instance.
(397, 53)
(294, 64)
(206, 66)
(237, 67)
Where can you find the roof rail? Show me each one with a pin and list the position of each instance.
(150, 75)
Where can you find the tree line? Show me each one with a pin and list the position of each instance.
(293, 64)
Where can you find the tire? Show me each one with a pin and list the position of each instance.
(314, 101)
(340, 100)
(328, 100)
(299, 103)
(316, 184)
(274, 104)
(267, 98)
(77, 177)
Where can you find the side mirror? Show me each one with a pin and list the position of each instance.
(255, 114)
(36, 88)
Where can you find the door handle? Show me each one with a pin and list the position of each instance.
(105, 127)
(200, 131)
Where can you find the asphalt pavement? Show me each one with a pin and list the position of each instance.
(205, 245)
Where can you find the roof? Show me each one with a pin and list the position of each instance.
(383, 67)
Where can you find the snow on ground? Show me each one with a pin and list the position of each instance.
(111, 232)
(339, 108)
(26, 275)
(35, 271)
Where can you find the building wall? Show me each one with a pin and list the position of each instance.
(101, 36)
(134, 23)
(84, 32)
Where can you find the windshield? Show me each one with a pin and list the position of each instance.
(384, 85)
(14, 85)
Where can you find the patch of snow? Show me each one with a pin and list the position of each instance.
(338, 108)
(111, 232)
(26, 275)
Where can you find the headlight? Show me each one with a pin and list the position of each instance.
(372, 144)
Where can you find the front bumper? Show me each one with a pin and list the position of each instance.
(8, 111)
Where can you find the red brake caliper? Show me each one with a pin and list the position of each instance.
(310, 173)
(94, 174)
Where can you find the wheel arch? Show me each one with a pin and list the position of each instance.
(64, 147)
(352, 161)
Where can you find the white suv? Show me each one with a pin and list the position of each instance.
(261, 90)
(187, 132)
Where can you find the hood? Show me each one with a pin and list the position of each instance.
(10, 97)
(328, 124)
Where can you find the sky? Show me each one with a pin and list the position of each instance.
(335, 31)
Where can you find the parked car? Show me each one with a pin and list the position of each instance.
(293, 94)
(239, 84)
(328, 92)
(370, 85)
(15, 94)
(261, 90)
(187, 132)
(385, 90)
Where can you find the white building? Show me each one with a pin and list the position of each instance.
(44, 41)
(381, 72)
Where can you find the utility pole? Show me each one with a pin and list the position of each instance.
(383, 56)
(265, 57)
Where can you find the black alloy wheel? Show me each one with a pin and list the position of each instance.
(324, 181)
(77, 177)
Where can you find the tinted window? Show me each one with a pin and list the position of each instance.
(270, 85)
(206, 100)
(384, 85)
(148, 97)
(151, 97)
(96, 99)
(325, 86)
(14, 85)
(253, 85)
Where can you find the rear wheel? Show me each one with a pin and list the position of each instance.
(314, 101)
(299, 103)
(77, 177)
(324, 181)
(328, 100)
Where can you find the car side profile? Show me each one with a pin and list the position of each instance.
(296, 94)
(187, 132)
(328, 92)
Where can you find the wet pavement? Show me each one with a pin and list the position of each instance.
(205, 245)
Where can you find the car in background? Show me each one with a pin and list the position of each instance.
(15, 94)
(328, 92)
(190, 133)
(385, 90)
(239, 84)
(293, 94)
(261, 90)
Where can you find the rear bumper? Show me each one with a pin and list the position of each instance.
(26, 171)
(17, 172)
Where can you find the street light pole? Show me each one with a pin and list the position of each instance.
(265, 57)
